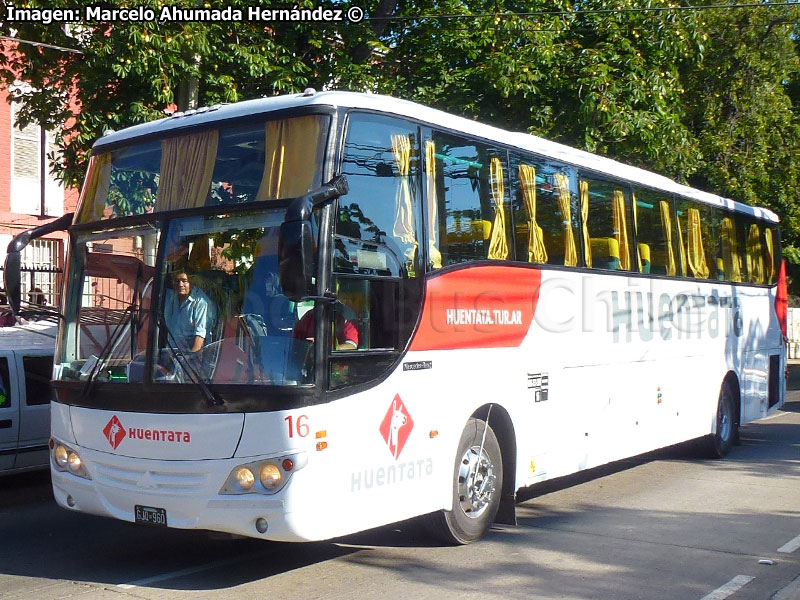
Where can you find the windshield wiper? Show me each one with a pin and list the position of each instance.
(107, 350)
(211, 397)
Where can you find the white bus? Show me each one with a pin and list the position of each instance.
(492, 310)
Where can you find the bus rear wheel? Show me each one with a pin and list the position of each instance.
(720, 442)
(477, 486)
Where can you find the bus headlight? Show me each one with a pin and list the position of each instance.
(67, 460)
(60, 454)
(245, 478)
(74, 462)
(272, 475)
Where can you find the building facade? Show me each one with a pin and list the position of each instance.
(30, 195)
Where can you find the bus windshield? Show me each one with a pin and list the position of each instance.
(215, 309)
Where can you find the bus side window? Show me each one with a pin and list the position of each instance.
(729, 260)
(655, 233)
(472, 201)
(545, 213)
(772, 254)
(754, 242)
(606, 218)
(697, 236)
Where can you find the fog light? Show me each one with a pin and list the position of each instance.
(261, 525)
(270, 476)
(60, 456)
(74, 462)
(245, 478)
(70, 501)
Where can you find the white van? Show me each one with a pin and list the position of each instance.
(26, 366)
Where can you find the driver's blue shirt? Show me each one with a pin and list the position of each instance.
(191, 319)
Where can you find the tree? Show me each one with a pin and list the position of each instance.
(128, 73)
(740, 108)
(709, 97)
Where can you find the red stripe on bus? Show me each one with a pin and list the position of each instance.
(478, 307)
(782, 300)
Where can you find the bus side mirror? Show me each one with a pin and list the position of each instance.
(13, 279)
(296, 259)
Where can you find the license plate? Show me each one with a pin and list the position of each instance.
(149, 515)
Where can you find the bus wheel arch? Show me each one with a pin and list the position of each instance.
(503, 428)
(478, 480)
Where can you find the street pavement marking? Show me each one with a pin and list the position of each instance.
(790, 546)
(790, 592)
(181, 572)
(730, 588)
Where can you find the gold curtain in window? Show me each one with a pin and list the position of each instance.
(565, 206)
(696, 254)
(527, 182)
(587, 246)
(92, 202)
(769, 241)
(755, 255)
(620, 224)
(403, 229)
(666, 226)
(434, 255)
(498, 245)
(731, 261)
(187, 164)
(292, 157)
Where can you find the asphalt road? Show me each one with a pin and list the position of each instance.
(663, 526)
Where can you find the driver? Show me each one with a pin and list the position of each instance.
(186, 312)
(345, 331)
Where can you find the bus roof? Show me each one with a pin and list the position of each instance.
(412, 110)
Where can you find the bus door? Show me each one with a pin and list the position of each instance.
(9, 413)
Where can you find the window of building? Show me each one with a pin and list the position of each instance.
(34, 188)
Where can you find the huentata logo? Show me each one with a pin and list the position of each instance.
(115, 432)
(396, 426)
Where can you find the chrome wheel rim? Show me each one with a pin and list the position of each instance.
(476, 481)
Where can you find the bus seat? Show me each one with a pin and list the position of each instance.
(644, 256)
(720, 269)
(469, 231)
(658, 261)
(605, 253)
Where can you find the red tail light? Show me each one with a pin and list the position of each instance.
(782, 299)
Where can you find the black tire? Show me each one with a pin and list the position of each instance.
(722, 440)
(477, 487)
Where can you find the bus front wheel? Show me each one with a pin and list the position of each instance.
(477, 486)
(721, 441)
